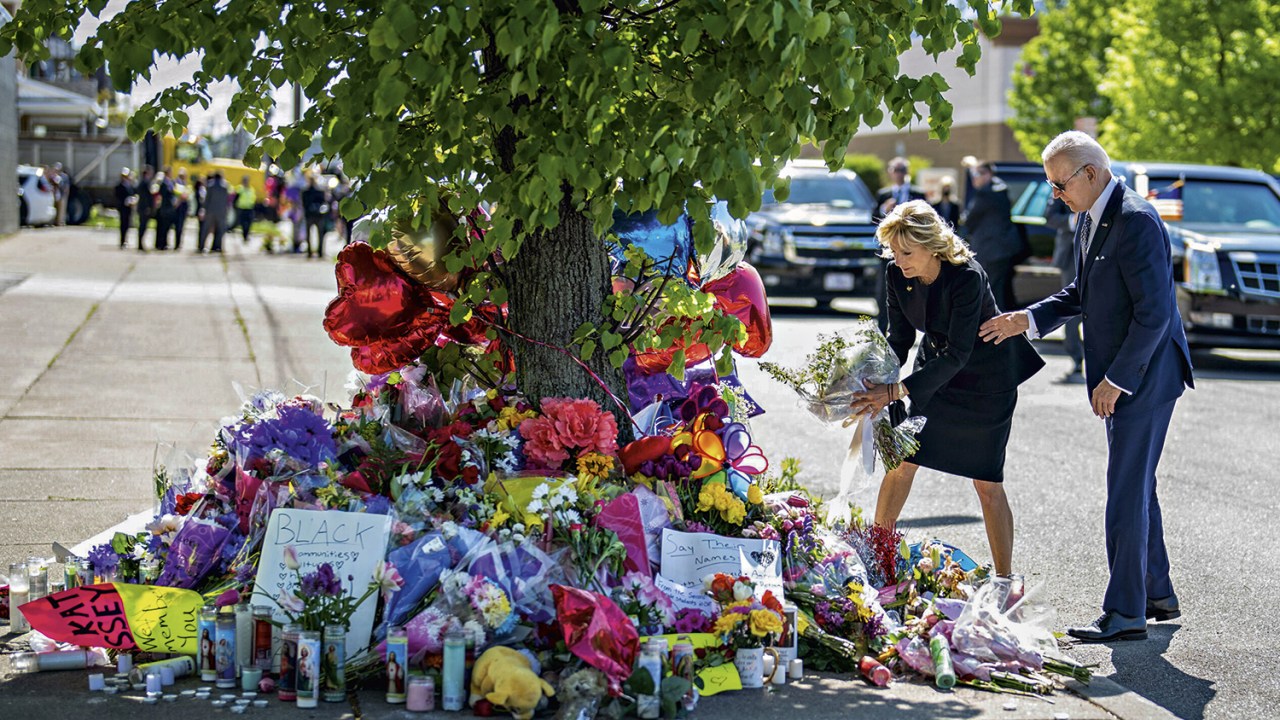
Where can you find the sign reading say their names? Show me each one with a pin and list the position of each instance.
(687, 558)
(352, 543)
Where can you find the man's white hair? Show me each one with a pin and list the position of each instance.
(1077, 147)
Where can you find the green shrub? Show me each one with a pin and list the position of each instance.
(868, 167)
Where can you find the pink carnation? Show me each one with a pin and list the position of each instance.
(583, 425)
(568, 428)
(541, 445)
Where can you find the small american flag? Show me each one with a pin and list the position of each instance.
(1168, 200)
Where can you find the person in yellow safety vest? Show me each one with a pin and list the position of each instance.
(246, 200)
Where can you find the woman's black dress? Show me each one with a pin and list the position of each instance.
(966, 388)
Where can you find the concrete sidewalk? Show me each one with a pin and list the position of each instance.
(116, 360)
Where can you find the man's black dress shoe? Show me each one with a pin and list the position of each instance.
(1111, 626)
(1162, 609)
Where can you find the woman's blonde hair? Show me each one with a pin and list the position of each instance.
(917, 222)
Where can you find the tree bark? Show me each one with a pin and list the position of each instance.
(557, 281)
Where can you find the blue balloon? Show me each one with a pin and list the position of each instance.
(669, 247)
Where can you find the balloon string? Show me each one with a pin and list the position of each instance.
(591, 373)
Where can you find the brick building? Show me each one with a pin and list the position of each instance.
(979, 126)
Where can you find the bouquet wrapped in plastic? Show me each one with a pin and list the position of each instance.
(843, 364)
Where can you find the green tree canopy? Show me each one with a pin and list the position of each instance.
(1174, 80)
(1196, 81)
(551, 112)
(1056, 79)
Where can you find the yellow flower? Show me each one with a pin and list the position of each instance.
(764, 622)
(595, 464)
(735, 513)
(509, 417)
(706, 498)
(755, 495)
(726, 623)
(500, 518)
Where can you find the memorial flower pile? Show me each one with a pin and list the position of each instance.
(529, 524)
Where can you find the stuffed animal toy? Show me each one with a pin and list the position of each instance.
(581, 693)
(505, 678)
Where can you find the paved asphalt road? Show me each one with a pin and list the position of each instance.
(114, 360)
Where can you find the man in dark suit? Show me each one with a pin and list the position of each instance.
(1137, 365)
(990, 232)
(899, 191)
(146, 204)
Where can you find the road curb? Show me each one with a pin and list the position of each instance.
(1118, 699)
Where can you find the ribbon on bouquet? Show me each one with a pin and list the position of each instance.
(861, 446)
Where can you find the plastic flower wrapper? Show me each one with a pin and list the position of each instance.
(525, 573)
(421, 563)
(842, 364)
(1000, 624)
(622, 516)
(597, 632)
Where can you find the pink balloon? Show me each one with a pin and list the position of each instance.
(741, 294)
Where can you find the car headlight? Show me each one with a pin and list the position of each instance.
(1201, 270)
(774, 240)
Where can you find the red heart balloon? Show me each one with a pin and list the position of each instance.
(386, 318)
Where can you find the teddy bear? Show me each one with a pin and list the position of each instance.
(505, 677)
(581, 693)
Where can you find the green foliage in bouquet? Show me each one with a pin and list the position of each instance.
(836, 369)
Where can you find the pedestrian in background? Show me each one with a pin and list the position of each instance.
(61, 190)
(126, 199)
(246, 201)
(181, 206)
(217, 203)
(946, 206)
(166, 209)
(1137, 365)
(315, 204)
(967, 389)
(1059, 217)
(898, 191)
(989, 229)
(146, 203)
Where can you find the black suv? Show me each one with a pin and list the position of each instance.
(1224, 230)
(820, 242)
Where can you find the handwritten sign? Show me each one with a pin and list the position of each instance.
(352, 543)
(687, 558)
(121, 616)
(682, 597)
(711, 679)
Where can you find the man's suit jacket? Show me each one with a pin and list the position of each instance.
(1124, 294)
(988, 223)
(913, 193)
(949, 312)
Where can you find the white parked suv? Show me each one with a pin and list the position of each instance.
(36, 203)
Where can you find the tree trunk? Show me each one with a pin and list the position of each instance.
(557, 281)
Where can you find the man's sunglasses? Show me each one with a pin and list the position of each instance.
(1062, 186)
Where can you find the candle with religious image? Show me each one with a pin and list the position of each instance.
(333, 673)
(397, 659)
(226, 651)
(287, 688)
(308, 668)
(207, 643)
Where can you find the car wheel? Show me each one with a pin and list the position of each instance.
(78, 206)
(22, 212)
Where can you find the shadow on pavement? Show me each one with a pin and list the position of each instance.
(939, 521)
(1142, 668)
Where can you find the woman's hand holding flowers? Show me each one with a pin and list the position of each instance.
(874, 399)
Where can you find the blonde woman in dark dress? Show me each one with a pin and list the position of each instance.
(966, 389)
